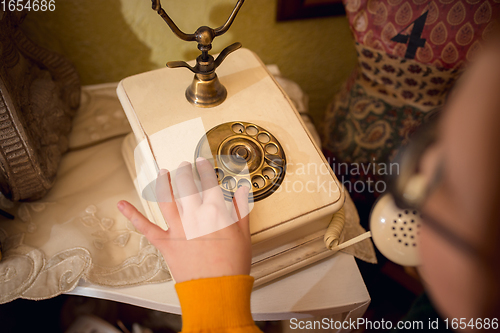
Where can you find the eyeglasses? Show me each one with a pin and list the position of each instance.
(411, 188)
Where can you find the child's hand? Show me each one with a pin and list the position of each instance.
(220, 253)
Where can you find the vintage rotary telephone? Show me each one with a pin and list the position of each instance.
(235, 144)
(242, 121)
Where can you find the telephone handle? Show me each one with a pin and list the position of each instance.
(206, 67)
(205, 89)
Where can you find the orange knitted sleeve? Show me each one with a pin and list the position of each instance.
(219, 304)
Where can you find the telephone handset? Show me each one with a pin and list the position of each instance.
(245, 155)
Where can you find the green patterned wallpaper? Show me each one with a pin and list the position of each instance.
(108, 40)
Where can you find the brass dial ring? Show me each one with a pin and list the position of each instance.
(244, 154)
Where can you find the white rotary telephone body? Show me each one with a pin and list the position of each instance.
(295, 191)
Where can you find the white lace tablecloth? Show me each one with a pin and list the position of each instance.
(76, 231)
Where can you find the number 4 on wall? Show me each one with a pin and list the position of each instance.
(413, 39)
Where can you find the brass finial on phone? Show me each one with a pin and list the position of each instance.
(205, 90)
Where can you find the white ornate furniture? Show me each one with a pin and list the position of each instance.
(75, 241)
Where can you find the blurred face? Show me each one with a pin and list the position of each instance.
(466, 201)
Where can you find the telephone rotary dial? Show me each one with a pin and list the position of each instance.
(244, 154)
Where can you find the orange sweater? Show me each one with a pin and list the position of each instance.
(217, 305)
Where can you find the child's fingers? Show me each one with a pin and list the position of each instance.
(188, 193)
(153, 233)
(212, 193)
(166, 200)
(163, 189)
(240, 201)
